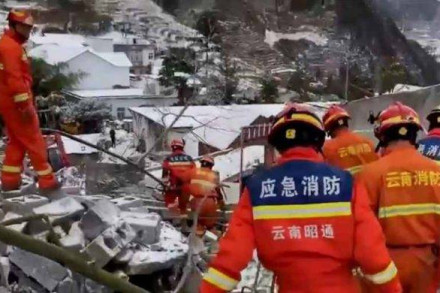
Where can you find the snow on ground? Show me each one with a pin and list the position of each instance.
(74, 147)
(125, 146)
(400, 88)
(273, 37)
(248, 276)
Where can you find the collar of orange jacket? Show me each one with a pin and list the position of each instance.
(15, 36)
(399, 148)
(341, 132)
(434, 132)
(300, 153)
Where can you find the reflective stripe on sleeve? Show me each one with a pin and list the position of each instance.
(180, 163)
(220, 280)
(11, 169)
(204, 183)
(21, 98)
(303, 211)
(355, 169)
(384, 276)
(48, 171)
(409, 210)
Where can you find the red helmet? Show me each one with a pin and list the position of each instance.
(294, 114)
(207, 159)
(177, 143)
(21, 16)
(397, 114)
(333, 114)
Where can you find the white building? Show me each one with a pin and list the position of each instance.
(205, 128)
(120, 100)
(141, 52)
(101, 70)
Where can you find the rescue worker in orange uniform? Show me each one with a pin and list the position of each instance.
(174, 168)
(430, 145)
(307, 220)
(346, 149)
(204, 187)
(404, 191)
(18, 111)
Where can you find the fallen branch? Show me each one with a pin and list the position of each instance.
(67, 259)
(23, 219)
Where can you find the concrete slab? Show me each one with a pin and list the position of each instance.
(98, 218)
(61, 210)
(17, 227)
(127, 202)
(147, 226)
(46, 272)
(107, 245)
(75, 239)
(24, 204)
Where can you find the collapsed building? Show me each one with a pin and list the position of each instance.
(120, 235)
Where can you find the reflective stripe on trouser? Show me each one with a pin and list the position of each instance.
(25, 137)
(220, 280)
(355, 169)
(302, 211)
(409, 210)
(384, 276)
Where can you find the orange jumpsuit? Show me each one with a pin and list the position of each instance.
(205, 182)
(174, 168)
(310, 225)
(404, 190)
(349, 151)
(24, 135)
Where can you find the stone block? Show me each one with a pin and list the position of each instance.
(71, 190)
(90, 200)
(44, 271)
(124, 256)
(24, 284)
(164, 212)
(153, 202)
(61, 210)
(16, 227)
(147, 226)
(170, 251)
(98, 218)
(107, 245)
(127, 202)
(75, 239)
(24, 204)
(5, 268)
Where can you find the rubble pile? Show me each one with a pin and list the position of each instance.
(120, 235)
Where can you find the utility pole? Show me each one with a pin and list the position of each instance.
(347, 64)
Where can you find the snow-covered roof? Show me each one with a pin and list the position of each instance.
(74, 147)
(54, 53)
(117, 59)
(228, 165)
(217, 126)
(59, 39)
(112, 93)
(120, 38)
